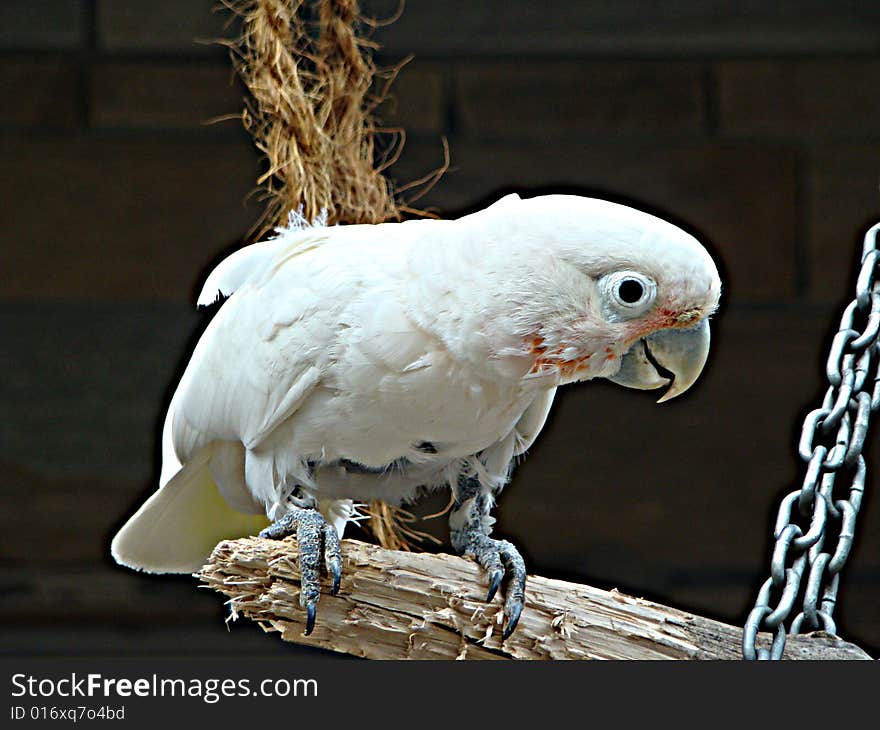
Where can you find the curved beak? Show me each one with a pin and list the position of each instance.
(673, 357)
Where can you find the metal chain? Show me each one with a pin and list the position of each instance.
(827, 503)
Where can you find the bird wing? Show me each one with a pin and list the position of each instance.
(532, 421)
(248, 262)
(496, 460)
(252, 368)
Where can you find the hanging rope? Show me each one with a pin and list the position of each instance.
(827, 504)
(314, 90)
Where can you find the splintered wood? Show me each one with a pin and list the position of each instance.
(402, 605)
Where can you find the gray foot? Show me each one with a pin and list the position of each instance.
(314, 537)
(498, 557)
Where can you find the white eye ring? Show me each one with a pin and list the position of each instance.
(631, 290)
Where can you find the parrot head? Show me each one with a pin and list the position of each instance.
(644, 289)
(664, 300)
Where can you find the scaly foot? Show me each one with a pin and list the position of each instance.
(314, 537)
(498, 557)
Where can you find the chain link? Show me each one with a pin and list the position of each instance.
(822, 509)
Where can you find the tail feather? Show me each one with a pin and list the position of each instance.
(178, 526)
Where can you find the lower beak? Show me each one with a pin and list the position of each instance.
(673, 357)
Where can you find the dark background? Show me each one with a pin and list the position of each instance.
(754, 124)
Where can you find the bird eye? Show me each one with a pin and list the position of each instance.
(630, 291)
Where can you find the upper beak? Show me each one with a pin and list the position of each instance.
(673, 357)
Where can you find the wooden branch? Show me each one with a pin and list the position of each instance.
(399, 605)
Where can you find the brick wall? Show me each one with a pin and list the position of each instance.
(753, 124)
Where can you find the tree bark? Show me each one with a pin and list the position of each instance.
(402, 605)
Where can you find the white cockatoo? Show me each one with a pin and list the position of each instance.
(372, 361)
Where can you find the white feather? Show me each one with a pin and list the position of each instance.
(356, 344)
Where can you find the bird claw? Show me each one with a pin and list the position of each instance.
(512, 612)
(336, 572)
(311, 611)
(494, 581)
(314, 537)
(500, 558)
(332, 556)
